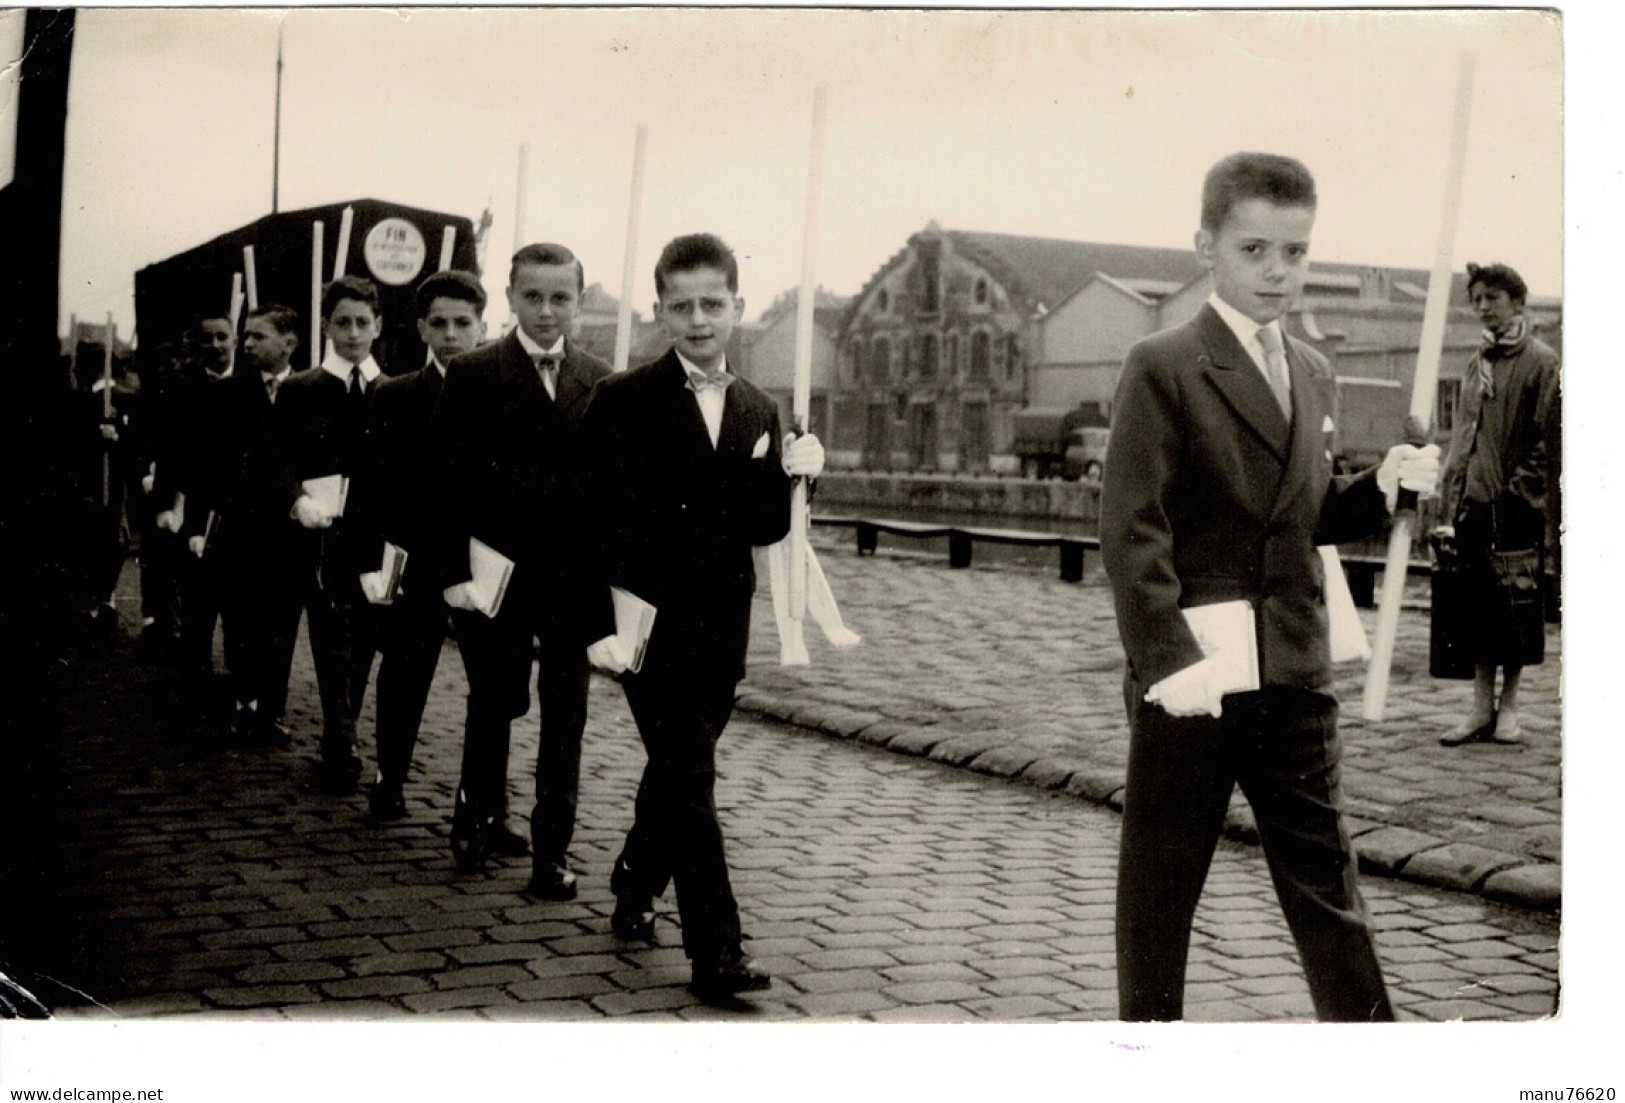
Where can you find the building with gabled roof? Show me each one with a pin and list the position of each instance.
(958, 330)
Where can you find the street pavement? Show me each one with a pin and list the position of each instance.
(211, 881)
(1016, 673)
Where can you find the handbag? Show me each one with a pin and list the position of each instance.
(1450, 627)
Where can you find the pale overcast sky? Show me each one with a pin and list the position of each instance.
(1086, 125)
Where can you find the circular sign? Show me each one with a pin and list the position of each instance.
(395, 251)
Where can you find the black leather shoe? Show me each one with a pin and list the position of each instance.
(507, 842)
(338, 777)
(470, 837)
(385, 803)
(552, 882)
(633, 919)
(725, 976)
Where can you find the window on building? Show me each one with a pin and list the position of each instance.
(883, 301)
(880, 360)
(952, 361)
(930, 254)
(857, 362)
(1012, 356)
(981, 353)
(900, 407)
(981, 292)
(1444, 414)
(929, 351)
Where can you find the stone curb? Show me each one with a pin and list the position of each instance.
(1387, 850)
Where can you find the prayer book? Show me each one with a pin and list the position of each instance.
(634, 621)
(489, 570)
(330, 491)
(1228, 636)
(394, 563)
(1347, 633)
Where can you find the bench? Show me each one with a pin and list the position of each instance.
(962, 540)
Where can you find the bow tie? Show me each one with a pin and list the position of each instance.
(698, 381)
(548, 362)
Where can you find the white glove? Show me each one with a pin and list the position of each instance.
(462, 596)
(310, 514)
(169, 521)
(110, 432)
(195, 544)
(609, 654)
(1187, 693)
(146, 483)
(373, 586)
(803, 455)
(1410, 467)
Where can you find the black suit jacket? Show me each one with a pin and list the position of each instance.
(508, 470)
(227, 471)
(397, 473)
(677, 518)
(313, 435)
(1210, 495)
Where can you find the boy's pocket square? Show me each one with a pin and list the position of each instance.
(760, 448)
(1326, 425)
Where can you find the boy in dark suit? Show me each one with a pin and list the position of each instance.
(505, 433)
(1218, 487)
(688, 477)
(318, 432)
(234, 527)
(450, 306)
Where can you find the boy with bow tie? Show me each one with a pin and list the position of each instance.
(688, 476)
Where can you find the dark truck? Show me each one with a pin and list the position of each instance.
(1053, 442)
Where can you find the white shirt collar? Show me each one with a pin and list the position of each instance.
(340, 368)
(434, 362)
(534, 350)
(691, 366)
(1245, 329)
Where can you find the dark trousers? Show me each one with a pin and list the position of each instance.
(675, 836)
(413, 632)
(342, 633)
(161, 564)
(1281, 746)
(497, 657)
(201, 584)
(260, 606)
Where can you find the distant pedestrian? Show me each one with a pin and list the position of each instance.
(1495, 486)
(1217, 489)
(687, 477)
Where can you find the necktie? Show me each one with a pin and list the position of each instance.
(1275, 368)
(548, 368)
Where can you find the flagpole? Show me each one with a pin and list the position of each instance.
(1424, 388)
(520, 197)
(107, 408)
(250, 278)
(801, 401)
(276, 129)
(448, 246)
(317, 230)
(623, 319)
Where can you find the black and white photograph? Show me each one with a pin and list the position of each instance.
(542, 541)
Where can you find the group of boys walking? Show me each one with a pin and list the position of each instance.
(1218, 487)
(287, 486)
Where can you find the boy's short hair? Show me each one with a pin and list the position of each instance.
(1498, 277)
(359, 288)
(195, 323)
(283, 319)
(691, 251)
(550, 254)
(1284, 181)
(450, 284)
